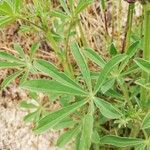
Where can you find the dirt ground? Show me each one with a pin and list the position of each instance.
(16, 134)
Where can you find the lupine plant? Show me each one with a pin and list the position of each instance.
(104, 109)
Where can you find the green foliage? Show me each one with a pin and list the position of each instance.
(99, 109)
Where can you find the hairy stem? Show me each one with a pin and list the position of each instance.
(146, 52)
(126, 42)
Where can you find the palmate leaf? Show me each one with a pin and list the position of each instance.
(49, 69)
(87, 131)
(107, 69)
(48, 86)
(146, 121)
(80, 59)
(93, 56)
(54, 118)
(68, 136)
(143, 64)
(10, 78)
(107, 109)
(120, 141)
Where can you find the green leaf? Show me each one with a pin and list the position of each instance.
(5, 20)
(79, 57)
(25, 104)
(141, 147)
(66, 123)
(143, 64)
(146, 121)
(113, 50)
(95, 137)
(9, 57)
(115, 94)
(107, 109)
(67, 136)
(71, 4)
(64, 5)
(93, 56)
(49, 86)
(120, 141)
(52, 71)
(33, 50)
(19, 49)
(5, 8)
(66, 99)
(103, 4)
(9, 79)
(30, 117)
(54, 118)
(59, 14)
(6, 65)
(82, 5)
(143, 83)
(24, 77)
(87, 131)
(107, 69)
(17, 5)
(108, 85)
(132, 49)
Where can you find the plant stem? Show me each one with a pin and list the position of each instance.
(146, 52)
(126, 41)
